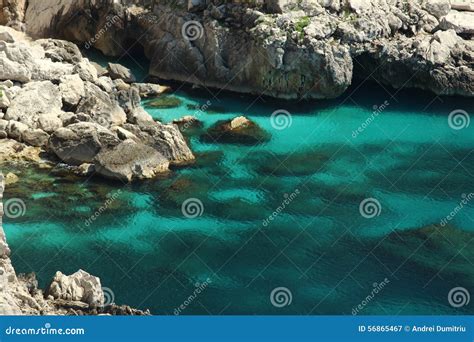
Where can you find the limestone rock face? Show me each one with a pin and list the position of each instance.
(130, 161)
(23, 62)
(438, 8)
(37, 105)
(101, 107)
(304, 50)
(80, 286)
(461, 22)
(72, 89)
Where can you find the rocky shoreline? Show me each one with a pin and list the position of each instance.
(54, 104)
(285, 49)
(77, 294)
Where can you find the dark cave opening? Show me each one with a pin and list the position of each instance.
(135, 58)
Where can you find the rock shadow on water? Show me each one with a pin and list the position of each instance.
(426, 170)
(209, 109)
(433, 252)
(287, 165)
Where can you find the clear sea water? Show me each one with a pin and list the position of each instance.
(319, 246)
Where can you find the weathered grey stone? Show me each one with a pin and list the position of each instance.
(86, 71)
(438, 8)
(101, 107)
(117, 71)
(37, 105)
(130, 160)
(461, 22)
(16, 129)
(72, 89)
(80, 143)
(35, 137)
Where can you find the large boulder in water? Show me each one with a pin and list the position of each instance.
(239, 130)
(166, 139)
(130, 160)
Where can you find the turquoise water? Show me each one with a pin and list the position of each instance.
(318, 246)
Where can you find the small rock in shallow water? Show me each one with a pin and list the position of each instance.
(188, 121)
(239, 130)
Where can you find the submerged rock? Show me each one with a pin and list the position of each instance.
(164, 102)
(188, 121)
(239, 130)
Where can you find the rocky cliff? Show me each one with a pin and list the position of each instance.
(80, 293)
(287, 49)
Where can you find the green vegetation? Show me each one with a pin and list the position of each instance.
(301, 24)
